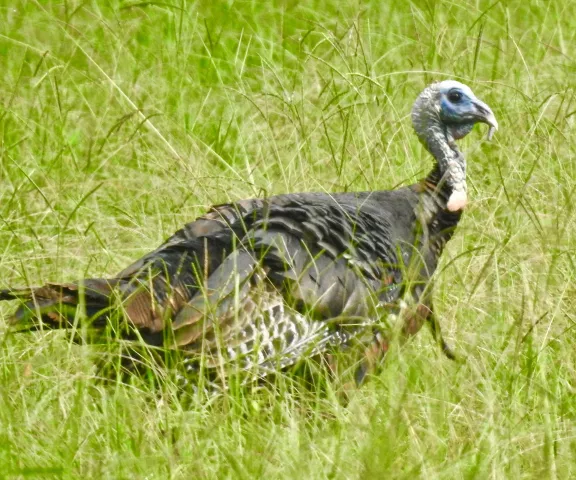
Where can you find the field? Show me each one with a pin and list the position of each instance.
(120, 121)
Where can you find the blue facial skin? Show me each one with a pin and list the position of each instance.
(460, 110)
(464, 110)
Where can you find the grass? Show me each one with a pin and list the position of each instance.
(120, 121)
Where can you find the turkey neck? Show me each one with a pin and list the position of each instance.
(448, 176)
(444, 189)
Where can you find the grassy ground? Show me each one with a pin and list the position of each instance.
(120, 121)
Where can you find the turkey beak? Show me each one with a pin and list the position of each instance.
(485, 115)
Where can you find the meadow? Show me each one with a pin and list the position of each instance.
(122, 120)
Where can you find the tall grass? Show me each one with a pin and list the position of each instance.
(120, 121)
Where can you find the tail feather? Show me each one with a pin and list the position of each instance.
(16, 294)
(55, 304)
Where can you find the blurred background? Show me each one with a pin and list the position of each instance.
(121, 121)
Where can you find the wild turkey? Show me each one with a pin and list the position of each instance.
(263, 283)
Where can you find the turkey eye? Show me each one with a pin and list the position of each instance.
(454, 96)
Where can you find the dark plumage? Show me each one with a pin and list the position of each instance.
(263, 283)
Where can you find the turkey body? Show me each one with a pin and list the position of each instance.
(268, 282)
(263, 283)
